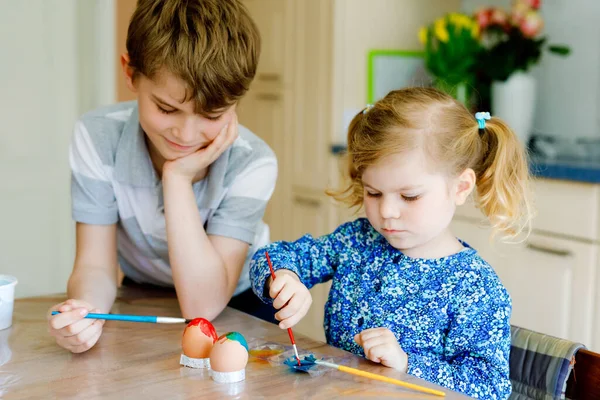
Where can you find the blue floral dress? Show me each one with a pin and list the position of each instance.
(450, 315)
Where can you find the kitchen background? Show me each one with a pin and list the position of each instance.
(60, 59)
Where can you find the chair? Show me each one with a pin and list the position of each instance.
(584, 381)
(540, 365)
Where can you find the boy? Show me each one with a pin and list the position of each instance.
(173, 167)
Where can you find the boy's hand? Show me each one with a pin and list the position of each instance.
(190, 166)
(70, 329)
(291, 298)
(381, 346)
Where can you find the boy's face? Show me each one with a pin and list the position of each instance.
(409, 205)
(173, 129)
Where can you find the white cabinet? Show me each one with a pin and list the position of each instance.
(563, 208)
(552, 276)
(262, 111)
(310, 214)
(550, 280)
(268, 107)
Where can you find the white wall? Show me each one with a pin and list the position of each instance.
(41, 99)
(568, 88)
(361, 26)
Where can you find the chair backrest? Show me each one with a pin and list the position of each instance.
(540, 364)
(584, 381)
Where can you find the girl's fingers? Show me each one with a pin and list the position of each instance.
(284, 296)
(374, 342)
(377, 353)
(292, 307)
(276, 287)
(294, 319)
(372, 332)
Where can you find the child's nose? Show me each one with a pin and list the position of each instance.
(187, 133)
(389, 209)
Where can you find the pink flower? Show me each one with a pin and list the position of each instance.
(483, 17)
(519, 11)
(487, 17)
(499, 17)
(535, 4)
(532, 24)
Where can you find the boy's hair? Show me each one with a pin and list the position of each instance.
(449, 135)
(213, 46)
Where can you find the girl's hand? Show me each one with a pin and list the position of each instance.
(190, 166)
(381, 346)
(291, 298)
(70, 329)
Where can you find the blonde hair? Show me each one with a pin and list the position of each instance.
(449, 135)
(212, 45)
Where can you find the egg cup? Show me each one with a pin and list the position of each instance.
(228, 377)
(198, 363)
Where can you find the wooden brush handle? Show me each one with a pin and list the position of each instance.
(393, 381)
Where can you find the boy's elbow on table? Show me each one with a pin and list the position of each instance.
(202, 307)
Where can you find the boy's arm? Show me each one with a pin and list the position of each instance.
(207, 263)
(94, 276)
(205, 268)
(476, 356)
(94, 208)
(314, 260)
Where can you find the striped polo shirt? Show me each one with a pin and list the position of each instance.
(113, 181)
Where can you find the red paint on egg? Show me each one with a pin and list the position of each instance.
(205, 326)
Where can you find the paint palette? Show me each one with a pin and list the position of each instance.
(266, 351)
(306, 363)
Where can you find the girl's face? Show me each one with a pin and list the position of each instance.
(411, 206)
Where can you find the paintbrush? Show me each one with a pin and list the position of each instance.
(290, 333)
(152, 319)
(311, 360)
(381, 378)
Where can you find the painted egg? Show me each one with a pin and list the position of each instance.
(198, 339)
(230, 353)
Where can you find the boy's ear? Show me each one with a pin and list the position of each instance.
(465, 183)
(128, 71)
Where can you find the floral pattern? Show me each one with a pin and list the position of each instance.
(450, 315)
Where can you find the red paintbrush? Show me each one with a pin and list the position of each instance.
(290, 333)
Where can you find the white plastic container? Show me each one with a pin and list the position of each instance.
(7, 299)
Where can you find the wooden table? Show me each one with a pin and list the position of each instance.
(134, 360)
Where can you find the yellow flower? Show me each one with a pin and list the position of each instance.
(460, 20)
(440, 28)
(475, 31)
(423, 35)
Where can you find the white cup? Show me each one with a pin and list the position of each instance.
(7, 299)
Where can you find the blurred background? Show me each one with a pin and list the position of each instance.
(322, 61)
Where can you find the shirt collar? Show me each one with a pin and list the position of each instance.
(132, 160)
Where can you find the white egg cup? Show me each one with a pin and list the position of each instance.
(228, 377)
(198, 363)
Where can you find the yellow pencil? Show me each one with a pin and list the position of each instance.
(381, 378)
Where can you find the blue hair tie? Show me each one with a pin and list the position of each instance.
(481, 117)
(367, 108)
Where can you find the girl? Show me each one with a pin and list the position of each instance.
(406, 292)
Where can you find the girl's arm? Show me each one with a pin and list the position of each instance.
(477, 348)
(314, 260)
